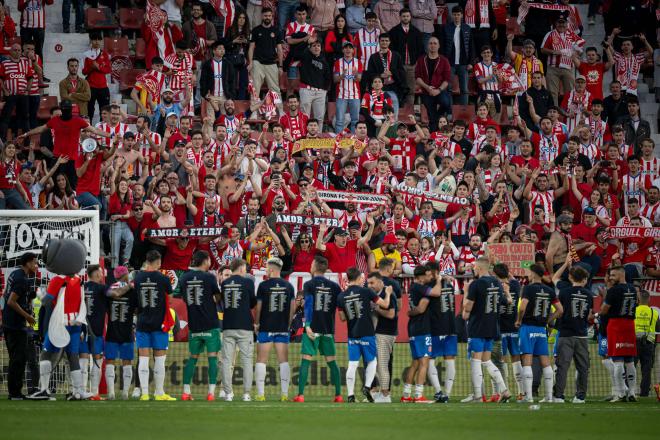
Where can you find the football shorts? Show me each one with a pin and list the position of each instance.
(480, 345)
(278, 338)
(364, 347)
(209, 340)
(323, 344)
(157, 340)
(74, 343)
(533, 340)
(124, 350)
(445, 345)
(621, 339)
(420, 346)
(510, 344)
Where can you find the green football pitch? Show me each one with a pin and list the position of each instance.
(318, 419)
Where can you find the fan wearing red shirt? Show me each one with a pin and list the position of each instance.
(525, 158)
(96, 66)
(235, 204)
(294, 122)
(402, 148)
(481, 121)
(88, 170)
(587, 230)
(583, 188)
(593, 70)
(342, 253)
(606, 251)
(179, 252)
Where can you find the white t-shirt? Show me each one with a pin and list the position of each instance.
(457, 45)
(173, 10)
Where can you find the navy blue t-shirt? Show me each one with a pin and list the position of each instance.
(18, 283)
(320, 304)
(577, 302)
(419, 325)
(120, 317)
(443, 311)
(198, 289)
(486, 292)
(387, 326)
(356, 304)
(238, 300)
(540, 298)
(509, 312)
(275, 296)
(622, 300)
(151, 288)
(97, 305)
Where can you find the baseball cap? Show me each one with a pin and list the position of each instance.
(340, 231)
(180, 143)
(390, 239)
(347, 43)
(166, 90)
(171, 114)
(564, 219)
(589, 211)
(275, 261)
(305, 166)
(120, 271)
(354, 224)
(580, 78)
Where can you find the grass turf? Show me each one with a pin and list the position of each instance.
(319, 419)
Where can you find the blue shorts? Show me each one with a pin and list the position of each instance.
(74, 343)
(446, 345)
(602, 345)
(125, 350)
(421, 346)
(480, 345)
(278, 338)
(533, 340)
(510, 344)
(364, 347)
(156, 340)
(97, 346)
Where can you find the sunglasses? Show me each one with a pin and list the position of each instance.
(137, 209)
(304, 240)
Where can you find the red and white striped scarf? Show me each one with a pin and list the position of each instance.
(391, 226)
(226, 9)
(470, 14)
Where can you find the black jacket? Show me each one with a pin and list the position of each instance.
(206, 79)
(375, 68)
(614, 110)
(635, 137)
(542, 102)
(467, 54)
(414, 39)
(315, 71)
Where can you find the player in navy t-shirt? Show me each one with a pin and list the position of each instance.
(273, 314)
(534, 314)
(96, 302)
(201, 293)
(153, 324)
(481, 310)
(355, 306)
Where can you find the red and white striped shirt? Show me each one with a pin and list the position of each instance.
(33, 14)
(220, 151)
(118, 131)
(349, 87)
(296, 125)
(482, 71)
(651, 167)
(35, 90)
(145, 148)
(491, 177)
(590, 150)
(345, 218)
(231, 123)
(446, 263)
(468, 256)
(15, 75)
(463, 226)
(378, 183)
(631, 187)
(295, 28)
(576, 103)
(651, 212)
(195, 157)
(652, 261)
(544, 199)
(566, 43)
(366, 43)
(627, 70)
(218, 90)
(403, 152)
(428, 228)
(445, 146)
(182, 71)
(599, 130)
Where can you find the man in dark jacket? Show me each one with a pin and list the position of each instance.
(217, 81)
(388, 65)
(615, 105)
(541, 101)
(459, 50)
(408, 42)
(433, 76)
(315, 77)
(635, 128)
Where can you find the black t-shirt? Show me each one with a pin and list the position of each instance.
(275, 296)
(622, 300)
(443, 311)
(356, 303)
(238, 300)
(320, 303)
(198, 289)
(396, 287)
(120, 317)
(509, 312)
(265, 43)
(486, 292)
(419, 325)
(97, 304)
(17, 283)
(540, 298)
(387, 326)
(151, 288)
(576, 301)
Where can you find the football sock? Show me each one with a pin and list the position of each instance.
(84, 369)
(110, 378)
(76, 381)
(159, 375)
(432, 374)
(143, 374)
(450, 374)
(548, 377)
(350, 377)
(260, 377)
(619, 384)
(285, 378)
(213, 371)
(127, 373)
(631, 377)
(518, 375)
(188, 372)
(304, 372)
(370, 373)
(477, 377)
(335, 377)
(609, 365)
(407, 389)
(96, 378)
(496, 376)
(419, 390)
(45, 368)
(528, 379)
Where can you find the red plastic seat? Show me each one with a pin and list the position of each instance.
(100, 19)
(131, 18)
(127, 78)
(45, 105)
(140, 49)
(463, 112)
(116, 47)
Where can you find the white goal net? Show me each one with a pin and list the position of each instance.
(27, 231)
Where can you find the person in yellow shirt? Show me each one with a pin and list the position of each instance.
(646, 323)
(387, 249)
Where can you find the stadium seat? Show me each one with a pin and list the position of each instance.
(512, 26)
(241, 106)
(131, 18)
(140, 49)
(45, 105)
(405, 111)
(14, 40)
(116, 47)
(464, 112)
(127, 78)
(455, 86)
(100, 19)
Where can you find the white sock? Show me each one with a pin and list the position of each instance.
(76, 382)
(450, 375)
(548, 378)
(631, 376)
(518, 375)
(212, 388)
(110, 378)
(477, 377)
(619, 384)
(260, 377)
(496, 376)
(186, 388)
(84, 370)
(127, 373)
(407, 389)
(419, 390)
(350, 377)
(285, 378)
(45, 367)
(432, 374)
(159, 375)
(609, 365)
(370, 373)
(96, 377)
(143, 373)
(528, 379)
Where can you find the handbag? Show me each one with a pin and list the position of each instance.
(236, 59)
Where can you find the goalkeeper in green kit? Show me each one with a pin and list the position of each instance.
(320, 295)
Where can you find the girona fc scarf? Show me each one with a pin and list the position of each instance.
(226, 9)
(470, 13)
(525, 6)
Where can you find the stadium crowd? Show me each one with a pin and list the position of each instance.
(411, 135)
